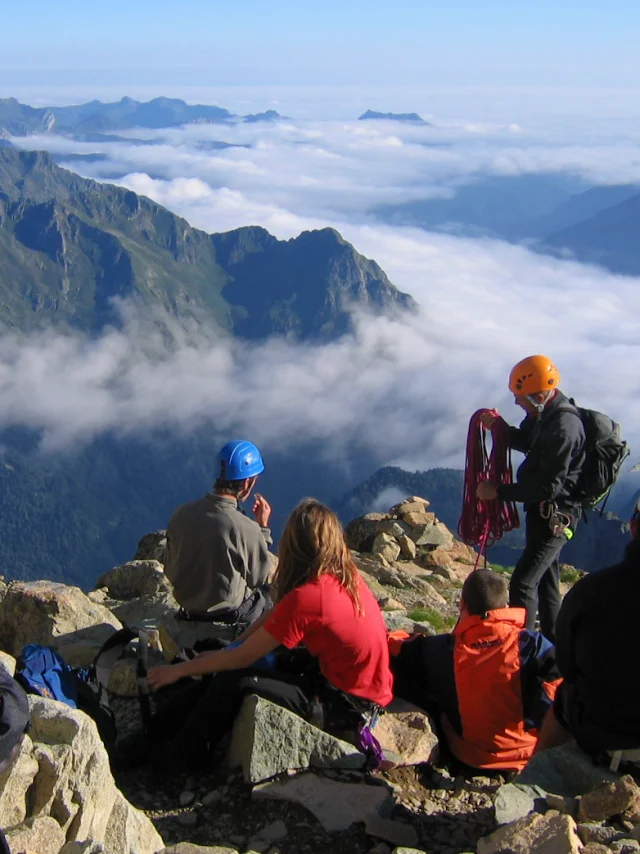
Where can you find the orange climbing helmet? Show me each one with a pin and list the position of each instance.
(533, 375)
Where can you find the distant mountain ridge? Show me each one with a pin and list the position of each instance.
(96, 116)
(552, 213)
(410, 118)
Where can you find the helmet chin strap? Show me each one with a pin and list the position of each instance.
(539, 407)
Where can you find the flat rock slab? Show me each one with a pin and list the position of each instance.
(268, 740)
(516, 800)
(395, 832)
(336, 805)
(535, 834)
(190, 848)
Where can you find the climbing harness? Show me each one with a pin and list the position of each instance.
(482, 523)
(559, 522)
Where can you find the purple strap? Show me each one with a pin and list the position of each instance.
(367, 743)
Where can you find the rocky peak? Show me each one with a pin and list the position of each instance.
(245, 280)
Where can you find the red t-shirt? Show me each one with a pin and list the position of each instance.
(352, 650)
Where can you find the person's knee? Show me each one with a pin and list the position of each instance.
(247, 685)
(521, 586)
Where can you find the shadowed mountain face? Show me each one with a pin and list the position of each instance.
(506, 206)
(611, 238)
(95, 116)
(68, 245)
(556, 213)
(581, 207)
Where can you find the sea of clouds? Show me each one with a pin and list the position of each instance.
(402, 389)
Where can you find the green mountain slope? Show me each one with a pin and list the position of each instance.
(69, 245)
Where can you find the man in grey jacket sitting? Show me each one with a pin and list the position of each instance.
(217, 557)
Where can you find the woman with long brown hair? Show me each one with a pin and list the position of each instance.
(323, 604)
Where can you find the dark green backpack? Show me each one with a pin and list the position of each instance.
(605, 453)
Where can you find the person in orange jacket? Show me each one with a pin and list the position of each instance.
(488, 684)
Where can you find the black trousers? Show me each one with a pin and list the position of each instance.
(211, 707)
(535, 583)
(206, 711)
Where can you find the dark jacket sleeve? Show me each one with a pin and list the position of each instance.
(556, 450)
(519, 437)
(567, 624)
(539, 669)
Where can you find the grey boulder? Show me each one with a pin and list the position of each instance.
(268, 740)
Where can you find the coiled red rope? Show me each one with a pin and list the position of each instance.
(482, 523)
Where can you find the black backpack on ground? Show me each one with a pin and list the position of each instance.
(605, 453)
(86, 688)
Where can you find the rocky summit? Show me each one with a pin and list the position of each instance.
(282, 786)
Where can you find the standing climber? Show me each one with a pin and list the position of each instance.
(552, 437)
(217, 558)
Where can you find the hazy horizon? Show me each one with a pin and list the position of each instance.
(362, 43)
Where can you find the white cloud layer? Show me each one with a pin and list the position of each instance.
(343, 169)
(401, 389)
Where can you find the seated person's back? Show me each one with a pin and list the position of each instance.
(489, 684)
(599, 700)
(216, 556)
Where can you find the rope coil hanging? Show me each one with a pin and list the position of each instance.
(482, 523)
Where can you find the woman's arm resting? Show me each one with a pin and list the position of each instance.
(254, 647)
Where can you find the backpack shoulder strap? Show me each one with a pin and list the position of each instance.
(142, 668)
(110, 652)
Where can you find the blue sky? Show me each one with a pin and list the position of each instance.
(576, 42)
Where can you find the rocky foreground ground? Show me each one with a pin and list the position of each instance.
(282, 786)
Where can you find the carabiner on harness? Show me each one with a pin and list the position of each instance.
(559, 522)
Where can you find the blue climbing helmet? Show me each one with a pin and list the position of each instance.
(239, 459)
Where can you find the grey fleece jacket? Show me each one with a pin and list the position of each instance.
(216, 556)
